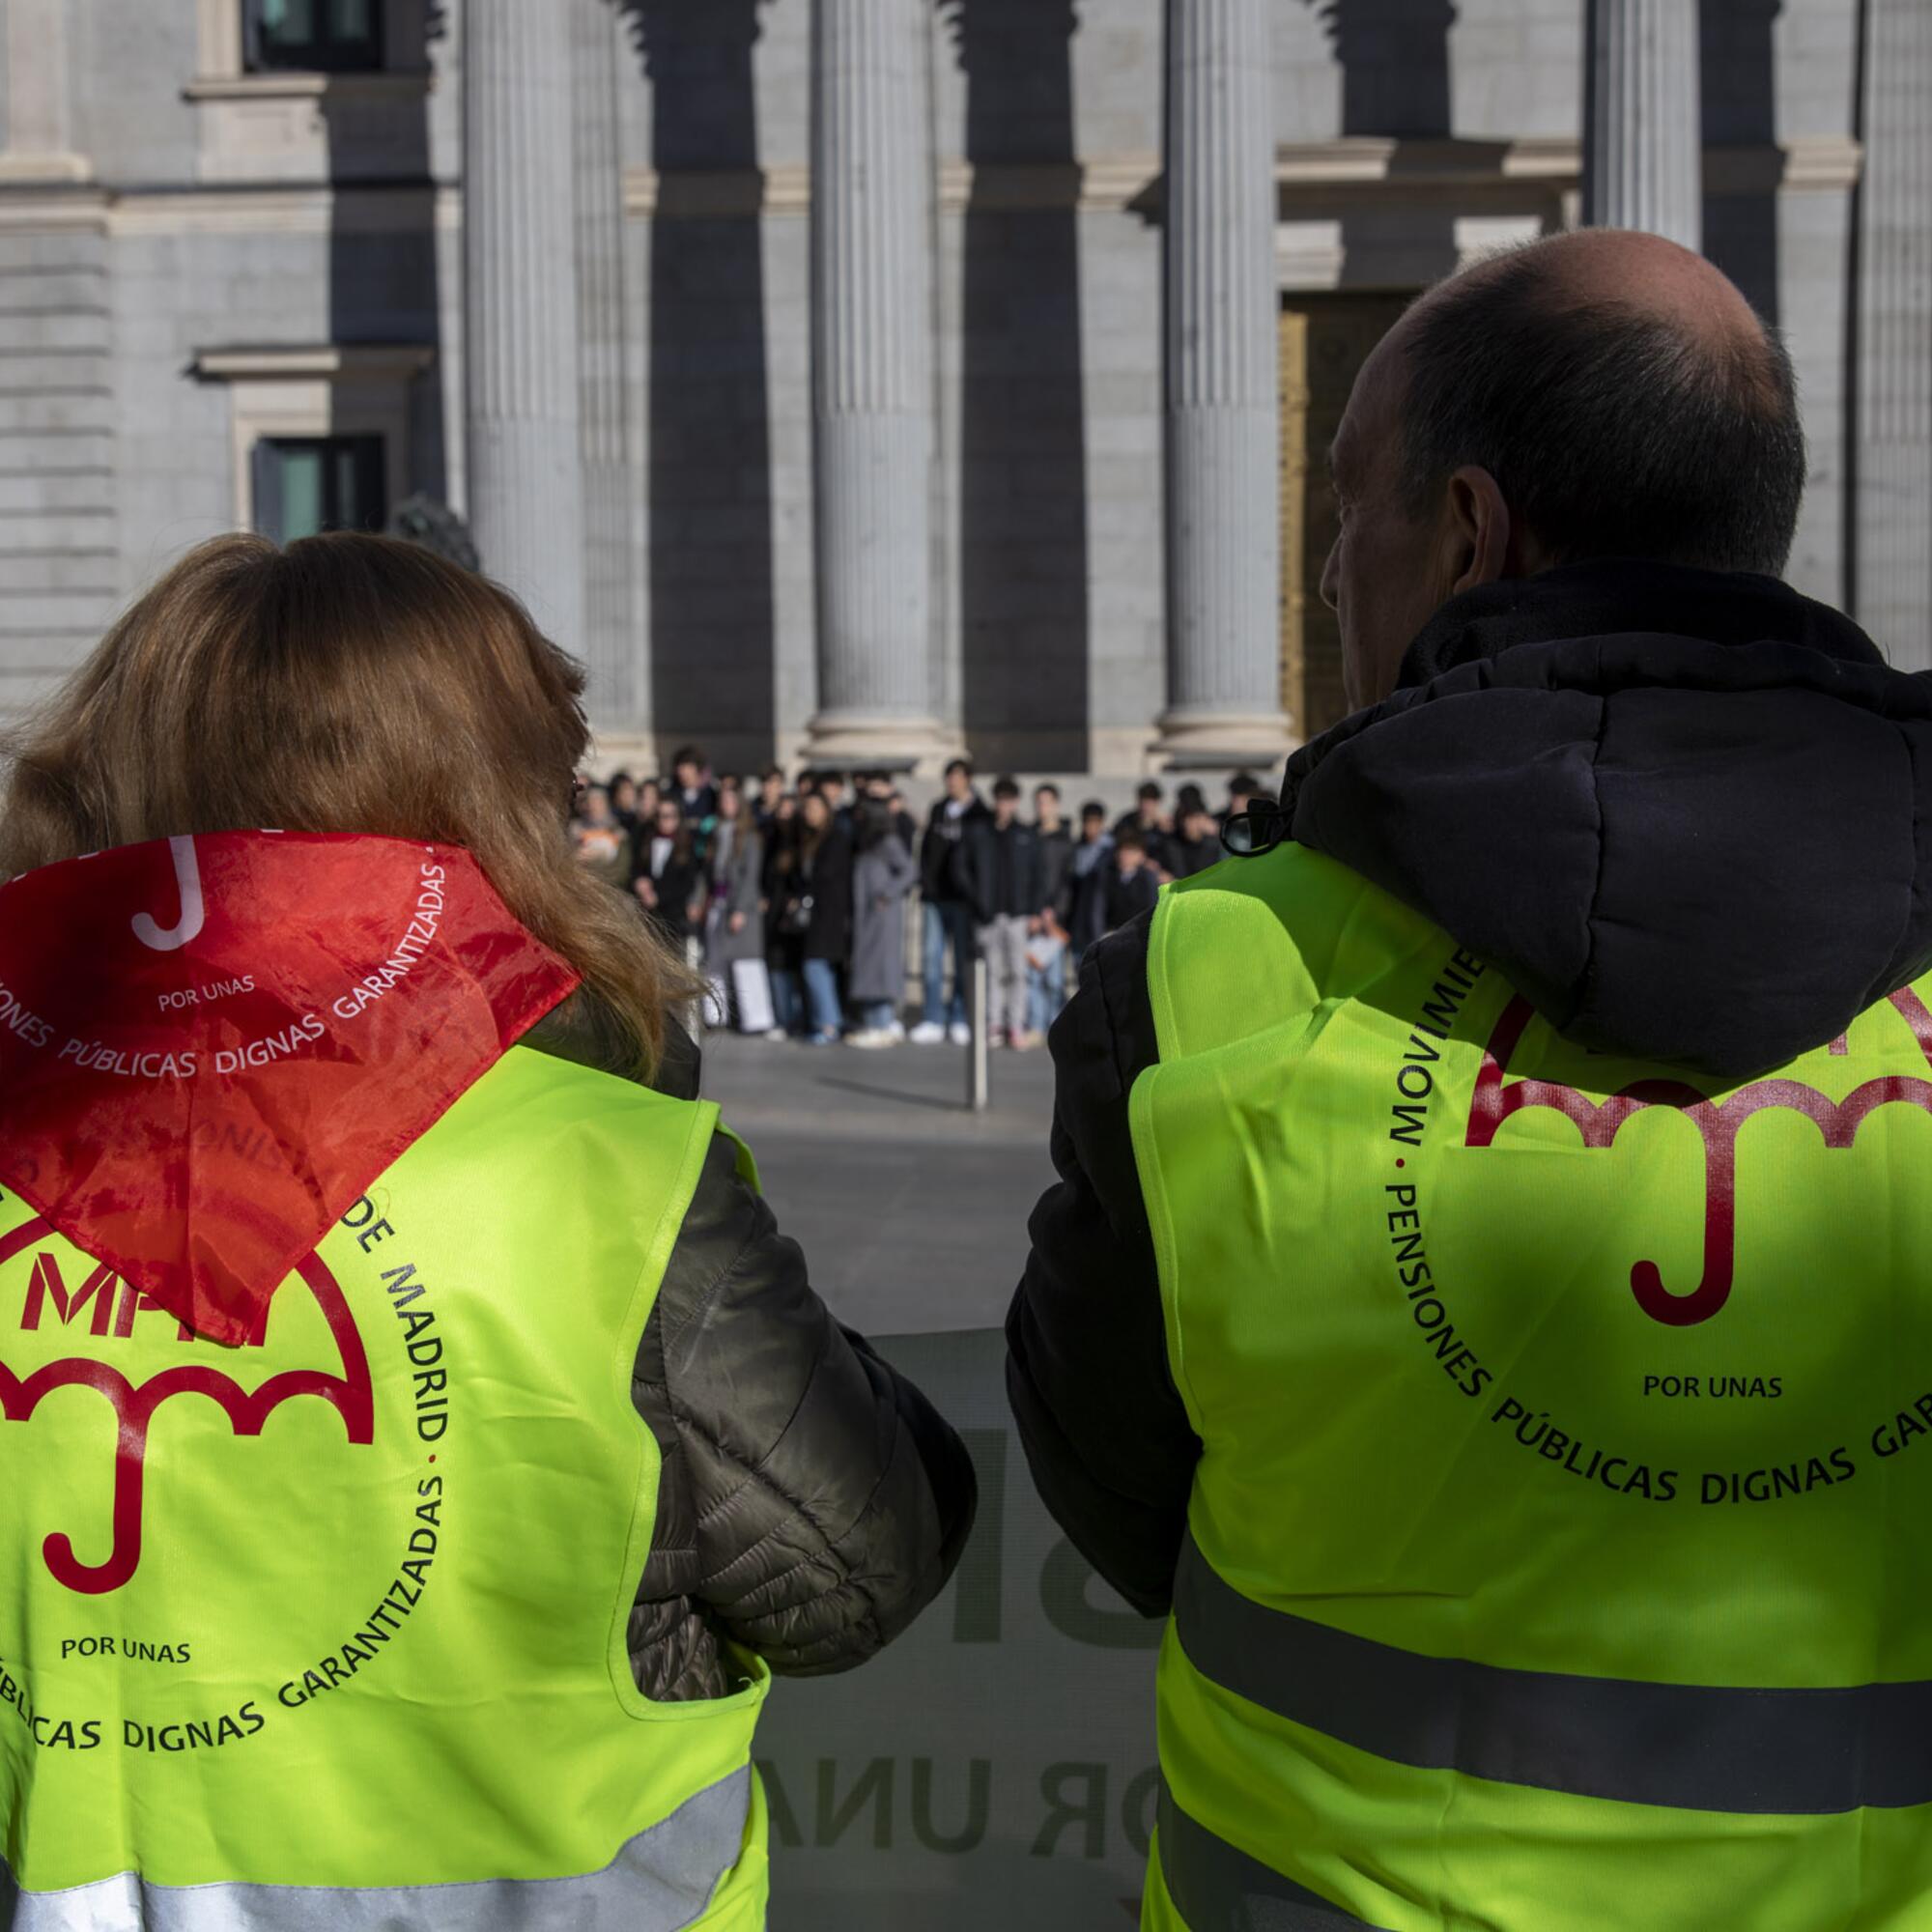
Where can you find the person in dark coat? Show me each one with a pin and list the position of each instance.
(1088, 872)
(1241, 788)
(666, 876)
(1149, 819)
(1132, 883)
(1196, 843)
(623, 791)
(696, 796)
(1597, 744)
(787, 917)
(999, 871)
(879, 786)
(1056, 848)
(770, 795)
(947, 925)
(1047, 946)
(824, 882)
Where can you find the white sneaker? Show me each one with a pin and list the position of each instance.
(927, 1032)
(872, 1036)
(961, 1034)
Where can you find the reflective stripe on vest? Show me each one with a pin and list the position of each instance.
(1215, 1884)
(339, 1616)
(660, 1881)
(1710, 1747)
(1554, 1554)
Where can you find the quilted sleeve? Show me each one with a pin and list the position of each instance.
(812, 1501)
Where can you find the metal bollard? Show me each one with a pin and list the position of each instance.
(978, 1061)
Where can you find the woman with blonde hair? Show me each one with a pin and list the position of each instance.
(422, 1448)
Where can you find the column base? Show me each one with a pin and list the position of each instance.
(1193, 740)
(622, 750)
(30, 170)
(878, 742)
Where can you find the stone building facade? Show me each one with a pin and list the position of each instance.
(866, 379)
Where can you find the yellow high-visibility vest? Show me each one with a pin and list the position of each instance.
(1558, 1556)
(329, 1630)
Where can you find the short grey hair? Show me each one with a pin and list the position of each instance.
(1610, 431)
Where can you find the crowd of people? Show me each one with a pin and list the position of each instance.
(794, 897)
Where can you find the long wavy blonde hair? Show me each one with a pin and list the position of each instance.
(347, 683)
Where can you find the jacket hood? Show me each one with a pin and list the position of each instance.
(211, 1048)
(1687, 813)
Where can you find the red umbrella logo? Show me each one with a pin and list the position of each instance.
(1718, 1122)
(349, 1393)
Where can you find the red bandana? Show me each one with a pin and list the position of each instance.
(211, 1047)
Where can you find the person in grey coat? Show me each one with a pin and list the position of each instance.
(883, 872)
(737, 926)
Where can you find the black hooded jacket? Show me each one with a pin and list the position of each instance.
(1688, 814)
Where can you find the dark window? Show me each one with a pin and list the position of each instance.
(309, 483)
(335, 35)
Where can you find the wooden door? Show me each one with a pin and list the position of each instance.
(1325, 341)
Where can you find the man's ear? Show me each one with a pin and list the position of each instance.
(1481, 544)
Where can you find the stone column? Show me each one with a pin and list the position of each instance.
(1643, 159)
(871, 381)
(519, 309)
(1223, 402)
(1891, 556)
(612, 648)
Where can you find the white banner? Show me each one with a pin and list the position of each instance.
(995, 1767)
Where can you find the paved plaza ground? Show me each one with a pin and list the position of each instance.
(911, 1209)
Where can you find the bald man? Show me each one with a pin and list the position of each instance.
(1485, 1303)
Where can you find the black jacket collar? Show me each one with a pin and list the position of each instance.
(1687, 813)
(1619, 595)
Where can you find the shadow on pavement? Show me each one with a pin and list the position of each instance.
(898, 1094)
